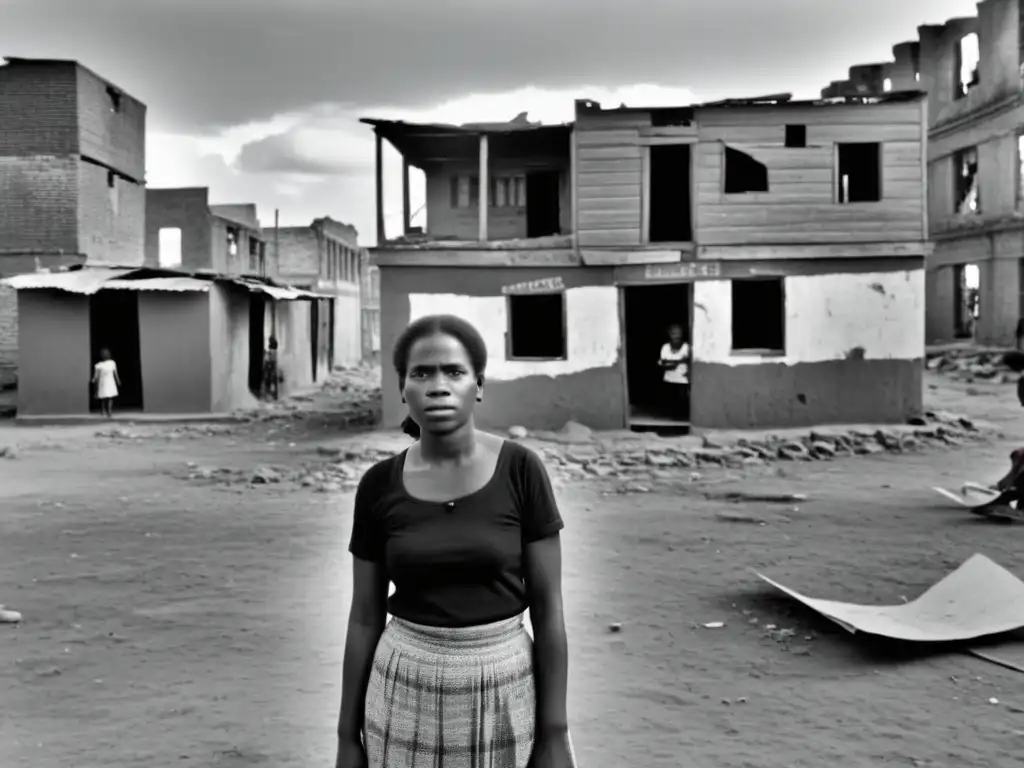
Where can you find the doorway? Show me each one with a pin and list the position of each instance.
(648, 311)
(257, 344)
(314, 335)
(543, 209)
(114, 325)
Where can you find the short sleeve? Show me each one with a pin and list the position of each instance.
(539, 515)
(368, 533)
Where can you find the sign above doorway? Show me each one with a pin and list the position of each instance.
(683, 270)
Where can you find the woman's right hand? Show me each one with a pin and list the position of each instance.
(351, 754)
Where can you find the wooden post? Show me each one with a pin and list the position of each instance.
(485, 185)
(381, 237)
(406, 212)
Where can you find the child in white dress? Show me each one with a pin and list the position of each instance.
(106, 381)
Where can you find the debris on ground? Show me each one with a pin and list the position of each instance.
(351, 396)
(8, 616)
(971, 364)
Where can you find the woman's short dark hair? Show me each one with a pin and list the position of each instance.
(449, 325)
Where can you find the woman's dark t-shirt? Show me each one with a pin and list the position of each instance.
(457, 563)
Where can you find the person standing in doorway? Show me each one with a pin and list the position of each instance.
(674, 363)
(466, 526)
(106, 381)
(270, 371)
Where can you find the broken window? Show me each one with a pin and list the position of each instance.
(968, 56)
(169, 254)
(536, 326)
(232, 241)
(743, 173)
(254, 255)
(796, 135)
(115, 99)
(464, 191)
(965, 170)
(860, 173)
(508, 192)
(669, 205)
(759, 315)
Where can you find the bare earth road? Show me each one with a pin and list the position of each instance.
(171, 621)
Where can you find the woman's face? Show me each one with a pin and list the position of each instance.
(441, 386)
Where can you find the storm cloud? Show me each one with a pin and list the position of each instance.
(202, 65)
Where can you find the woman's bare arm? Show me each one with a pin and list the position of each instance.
(365, 624)
(551, 652)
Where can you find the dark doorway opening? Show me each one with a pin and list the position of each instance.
(114, 324)
(257, 344)
(649, 311)
(333, 306)
(670, 194)
(543, 209)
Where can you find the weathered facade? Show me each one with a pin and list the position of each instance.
(183, 231)
(788, 239)
(325, 256)
(183, 342)
(72, 168)
(972, 70)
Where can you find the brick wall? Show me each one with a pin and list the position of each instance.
(188, 209)
(299, 253)
(38, 108)
(114, 137)
(8, 335)
(39, 210)
(111, 219)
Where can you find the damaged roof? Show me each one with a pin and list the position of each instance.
(425, 143)
(85, 280)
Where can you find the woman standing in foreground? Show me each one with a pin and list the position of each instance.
(466, 526)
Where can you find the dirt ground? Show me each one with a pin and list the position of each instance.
(171, 621)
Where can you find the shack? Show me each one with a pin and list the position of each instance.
(788, 239)
(183, 342)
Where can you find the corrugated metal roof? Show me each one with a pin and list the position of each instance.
(83, 281)
(176, 284)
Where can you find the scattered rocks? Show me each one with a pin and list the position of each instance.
(971, 364)
(7, 616)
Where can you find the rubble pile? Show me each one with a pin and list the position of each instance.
(350, 395)
(822, 444)
(971, 364)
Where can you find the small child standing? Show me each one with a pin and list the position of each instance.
(106, 381)
(270, 371)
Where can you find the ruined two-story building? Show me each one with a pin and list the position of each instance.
(972, 69)
(72, 177)
(787, 238)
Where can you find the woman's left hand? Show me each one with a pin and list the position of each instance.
(551, 752)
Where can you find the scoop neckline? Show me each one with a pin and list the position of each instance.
(498, 465)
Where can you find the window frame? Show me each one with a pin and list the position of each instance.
(756, 351)
(508, 327)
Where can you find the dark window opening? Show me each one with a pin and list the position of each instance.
(796, 135)
(670, 219)
(233, 240)
(115, 99)
(543, 203)
(759, 315)
(743, 173)
(965, 179)
(111, 179)
(669, 116)
(536, 326)
(860, 173)
(966, 300)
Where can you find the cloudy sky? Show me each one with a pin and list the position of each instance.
(259, 99)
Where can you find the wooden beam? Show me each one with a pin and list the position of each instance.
(412, 257)
(924, 169)
(645, 196)
(406, 212)
(381, 235)
(659, 141)
(851, 250)
(603, 257)
(574, 190)
(485, 186)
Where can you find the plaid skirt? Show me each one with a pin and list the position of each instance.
(442, 697)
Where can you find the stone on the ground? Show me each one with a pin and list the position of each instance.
(517, 432)
(7, 616)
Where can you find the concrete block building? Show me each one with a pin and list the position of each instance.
(72, 177)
